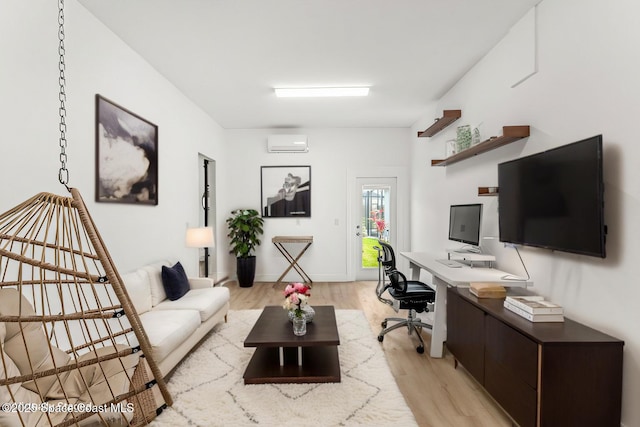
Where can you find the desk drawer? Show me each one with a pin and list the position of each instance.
(516, 354)
(514, 395)
(511, 370)
(465, 334)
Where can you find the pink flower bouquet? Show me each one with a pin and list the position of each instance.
(295, 296)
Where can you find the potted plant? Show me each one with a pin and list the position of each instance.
(245, 227)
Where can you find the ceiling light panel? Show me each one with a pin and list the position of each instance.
(308, 92)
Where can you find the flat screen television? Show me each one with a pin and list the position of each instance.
(464, 223)
(555, 199)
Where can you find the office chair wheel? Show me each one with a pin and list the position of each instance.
(384, 324)
(381, 338)
(420, 349)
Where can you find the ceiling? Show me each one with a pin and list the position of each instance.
(228, 55)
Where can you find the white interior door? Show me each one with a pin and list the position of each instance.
(376, 218)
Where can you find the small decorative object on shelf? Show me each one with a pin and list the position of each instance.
(463, 138)
(488, 191)
(475, 138)
(296, 302)
(450, 148)
(510, 134)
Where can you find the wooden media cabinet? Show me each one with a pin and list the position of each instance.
(542, 374)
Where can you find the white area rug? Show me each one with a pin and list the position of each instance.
(208, 388)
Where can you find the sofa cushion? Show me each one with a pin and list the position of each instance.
(139, 289)
(174, 281)
(155, 281)
(206, 301)
(201, 282)
(168, 329)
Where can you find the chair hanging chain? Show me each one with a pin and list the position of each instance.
(63, 173)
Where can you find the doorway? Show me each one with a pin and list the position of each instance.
(207, 190)
(376, 219)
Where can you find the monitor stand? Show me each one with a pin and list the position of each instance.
(471, 257)
(472, 250)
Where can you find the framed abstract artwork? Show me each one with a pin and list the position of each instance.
(126, 156)
(285, 191)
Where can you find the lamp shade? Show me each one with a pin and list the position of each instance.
(200, 237)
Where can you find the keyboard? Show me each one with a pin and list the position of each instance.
(450, 263)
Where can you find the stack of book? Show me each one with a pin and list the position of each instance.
(534, 308)
(487, 290)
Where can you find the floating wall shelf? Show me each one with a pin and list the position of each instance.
(509, 134)
(448, 117)
(487, 191)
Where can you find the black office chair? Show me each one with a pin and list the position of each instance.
(386, 256)
(411, 295)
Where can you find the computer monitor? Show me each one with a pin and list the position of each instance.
(464, 225)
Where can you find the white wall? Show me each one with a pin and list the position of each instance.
(586, 84)
(97, 62)
(334, 156)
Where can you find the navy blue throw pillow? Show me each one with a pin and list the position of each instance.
(174, 281)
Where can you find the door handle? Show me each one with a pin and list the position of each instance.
(358, 234)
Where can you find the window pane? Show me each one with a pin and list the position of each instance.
(375, 222)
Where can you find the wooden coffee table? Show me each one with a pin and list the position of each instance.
(282, 357)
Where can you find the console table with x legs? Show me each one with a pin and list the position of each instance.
(279, 242)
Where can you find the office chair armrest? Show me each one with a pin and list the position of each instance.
(380, 290)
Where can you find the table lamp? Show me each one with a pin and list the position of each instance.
(201, 237)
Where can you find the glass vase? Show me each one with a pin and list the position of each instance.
(299, 326)
(475, 137)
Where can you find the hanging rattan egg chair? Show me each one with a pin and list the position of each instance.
(70, 338)
(72, 349)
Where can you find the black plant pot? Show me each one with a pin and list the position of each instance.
(246, 271)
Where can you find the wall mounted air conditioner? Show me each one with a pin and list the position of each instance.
(287, 144)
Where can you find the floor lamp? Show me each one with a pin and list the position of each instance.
(201, 237)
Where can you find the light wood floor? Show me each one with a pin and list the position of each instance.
(438, 394)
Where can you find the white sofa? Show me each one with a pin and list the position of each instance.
(174, 327)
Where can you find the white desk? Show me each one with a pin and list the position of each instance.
(444, 276)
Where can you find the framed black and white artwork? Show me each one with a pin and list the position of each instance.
(126, 156)
(285, 191)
